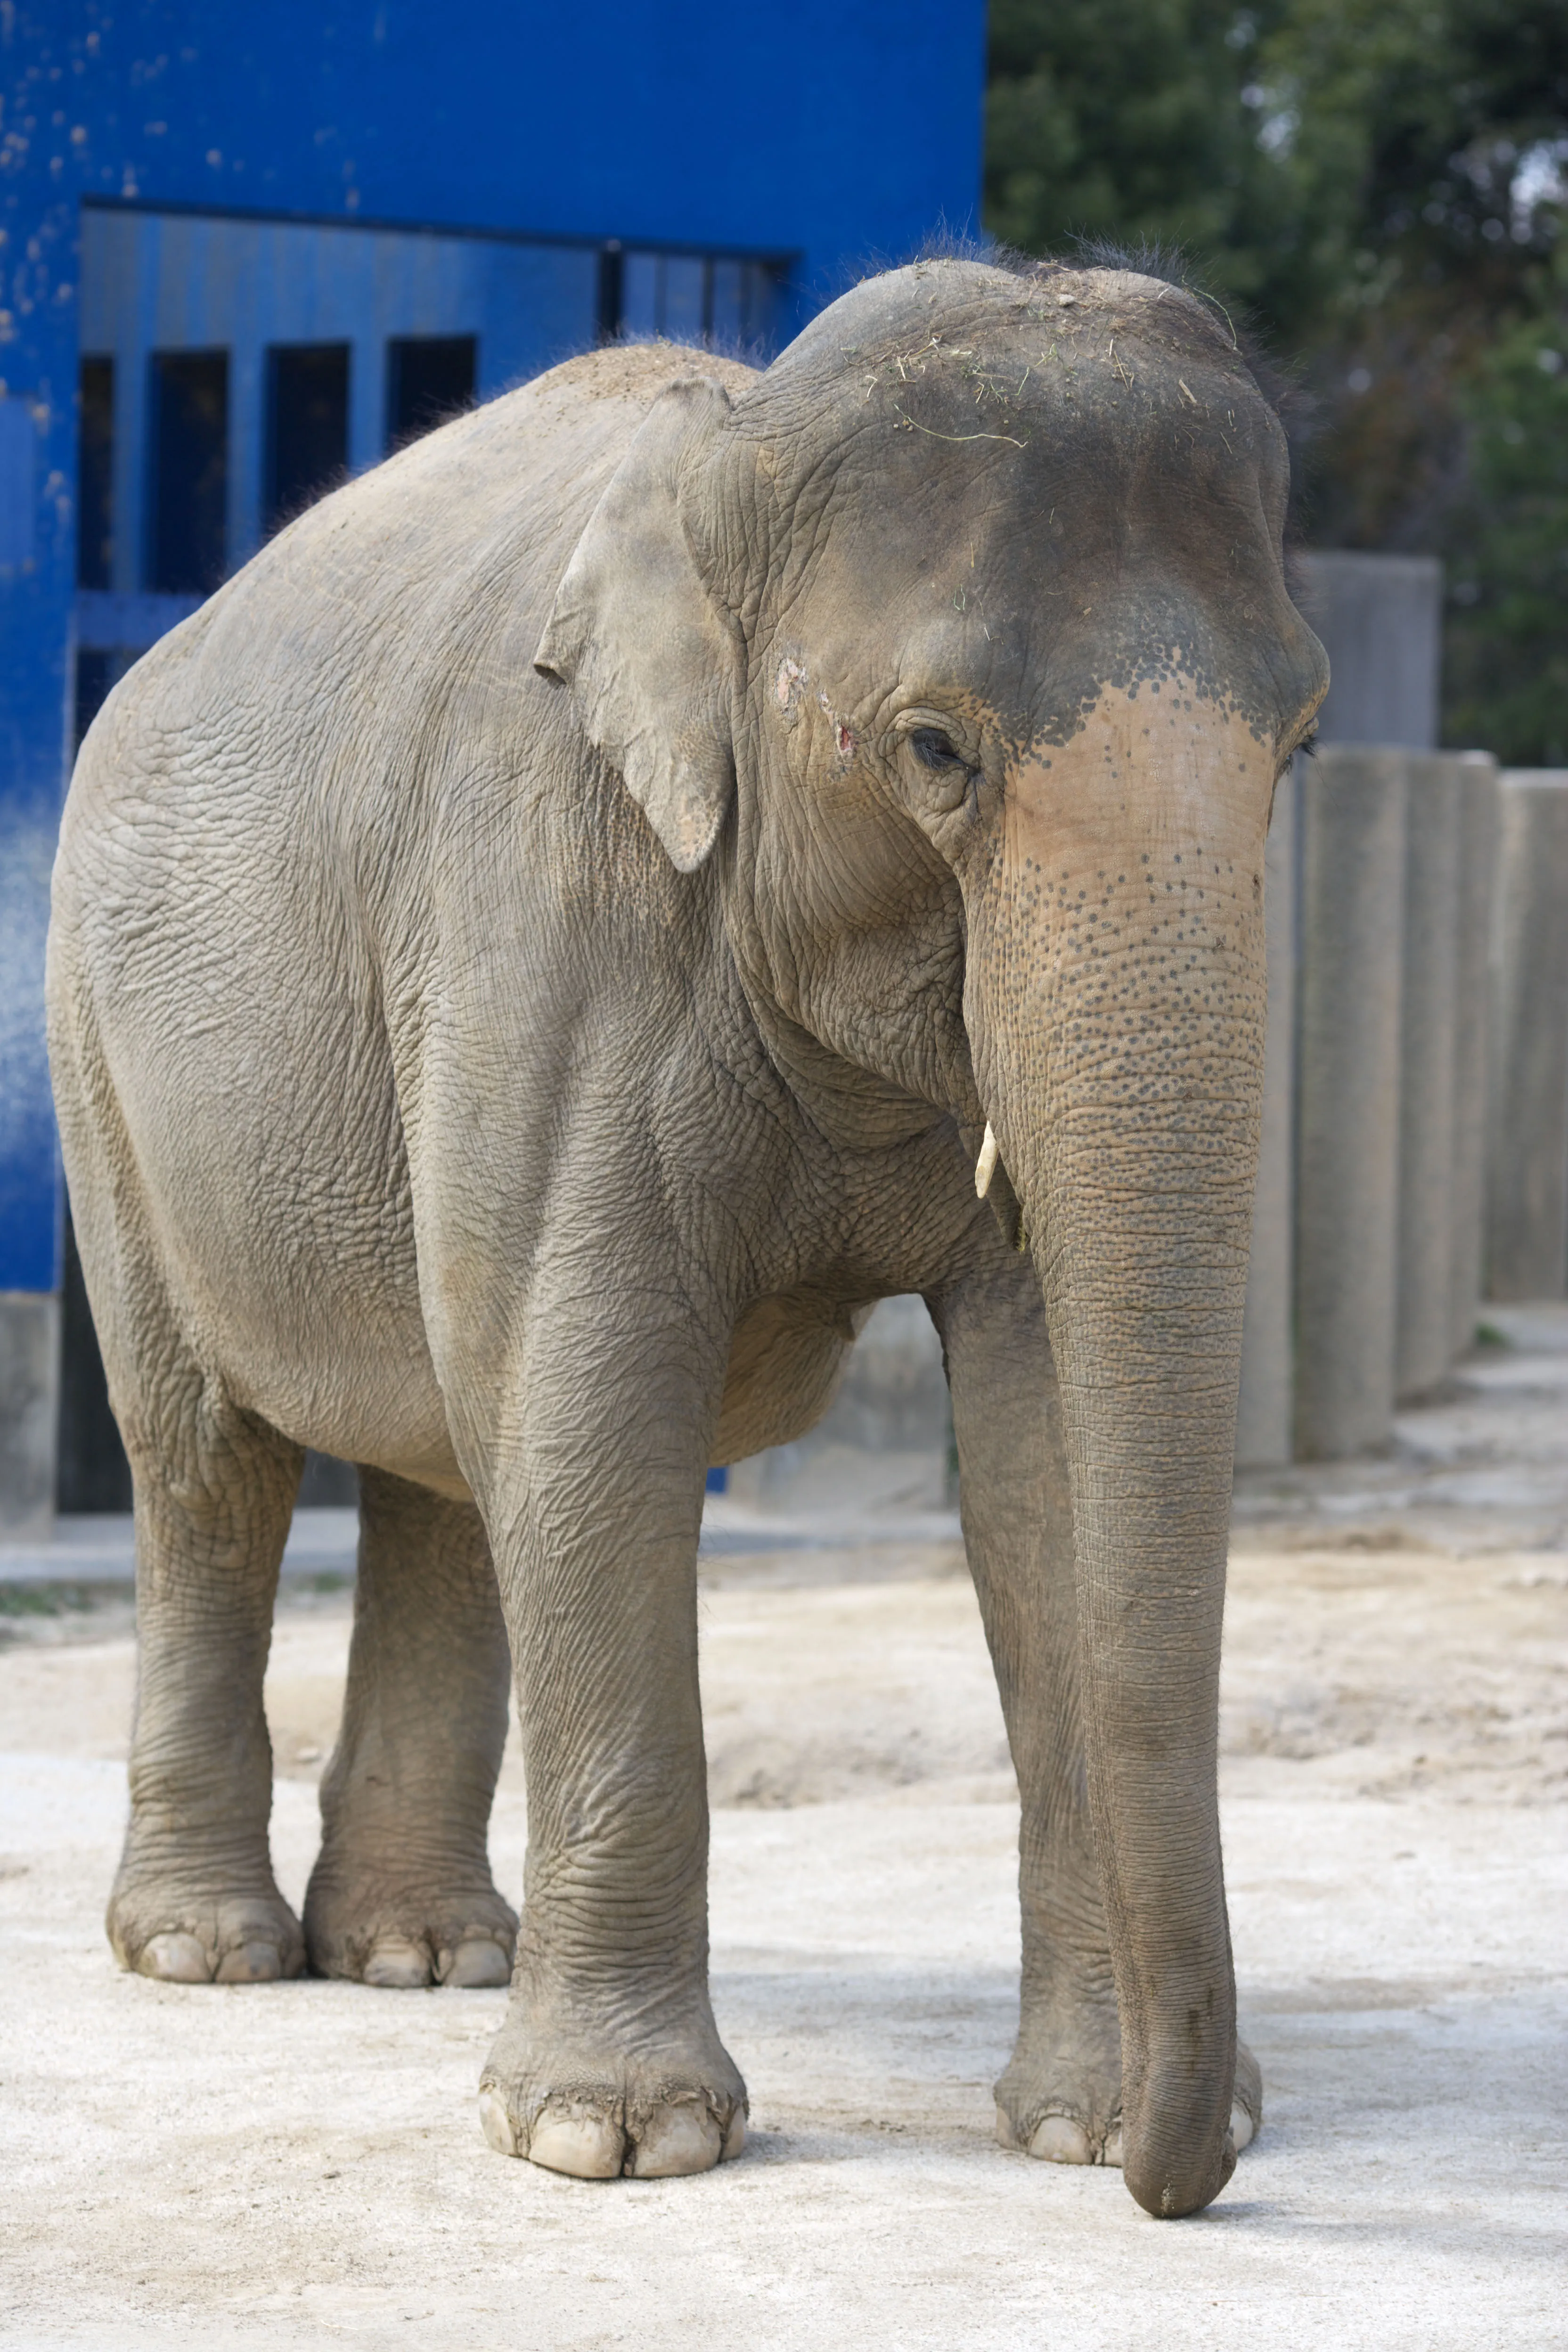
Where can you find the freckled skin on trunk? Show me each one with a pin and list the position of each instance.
(534, 960)
(1117, 998)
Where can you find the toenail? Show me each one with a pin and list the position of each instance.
(1242, 2130)
(478, 1960)
(254, 1963)
(496, 2124)
(590, 2147)
(1112, 2147)
(178, 1958)
(1059, 2140)
(676, 2141)
(398, 1965)
(735, 2137)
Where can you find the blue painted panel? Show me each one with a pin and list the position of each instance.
(29, 1215)
(17, 498)
(108, 622)
(830, 130)
(161, 283)
(836, 134)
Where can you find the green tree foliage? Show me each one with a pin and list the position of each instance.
(1507, 545)
(1382, 183)
(1126, 118)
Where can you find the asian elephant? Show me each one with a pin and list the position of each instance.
(580, 917)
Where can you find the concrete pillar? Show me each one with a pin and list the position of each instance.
(1479, 816)
(1428, 1007)
(1527, 1208)
(1263, 1421)
(1379, 618)
(1351, 951)
(29, 1376)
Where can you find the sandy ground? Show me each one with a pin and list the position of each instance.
(300, 2166)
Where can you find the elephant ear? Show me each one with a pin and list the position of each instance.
(652, 660)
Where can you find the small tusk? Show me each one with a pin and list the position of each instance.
(985, 1166)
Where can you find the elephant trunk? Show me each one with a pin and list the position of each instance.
(1118, 1004)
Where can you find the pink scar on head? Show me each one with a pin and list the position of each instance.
(790, 675)
(845, 741)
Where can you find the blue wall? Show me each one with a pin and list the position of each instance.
(836, 130)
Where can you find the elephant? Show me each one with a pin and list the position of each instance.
(681, 853)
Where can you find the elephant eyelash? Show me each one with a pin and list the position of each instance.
(932, 749)
(1308, 746)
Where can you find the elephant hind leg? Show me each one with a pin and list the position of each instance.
(194, 1899)
(214, 1488)
(402, 1894)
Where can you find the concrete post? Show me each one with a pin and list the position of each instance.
(29, 1380)
(1353, 850)
(1479, 816)
(1527, 1210)
(1263, 1420)
(1435, 787)
(1379, 618)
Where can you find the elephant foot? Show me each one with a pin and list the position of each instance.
(589, 2108)
(1247, 2102)
(172, 1928)
(403, 1936)
(1061, 2098)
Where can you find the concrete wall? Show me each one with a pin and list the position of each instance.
(1378, 618)
(1398, 1016)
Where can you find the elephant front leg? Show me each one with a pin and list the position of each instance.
(609, 2060)
(1060, 2095)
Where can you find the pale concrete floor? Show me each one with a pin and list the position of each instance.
(300, 2166)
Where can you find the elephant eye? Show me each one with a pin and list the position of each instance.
(932, 749)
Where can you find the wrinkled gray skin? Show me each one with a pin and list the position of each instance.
(534, 959)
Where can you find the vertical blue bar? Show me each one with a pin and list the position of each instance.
(38, 558)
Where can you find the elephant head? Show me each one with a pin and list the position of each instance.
(959, 642)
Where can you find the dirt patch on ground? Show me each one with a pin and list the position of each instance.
(1389, 1670)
